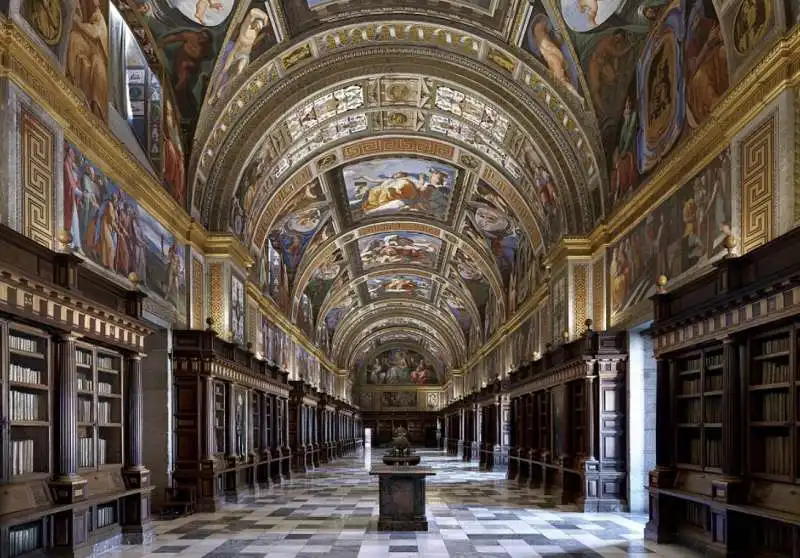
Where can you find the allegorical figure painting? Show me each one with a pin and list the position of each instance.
(467, 271)
(109, 228)
(400, 248)
(87, 53)
(209, 13)
(624, 170)
(400, 367)
(753, 20)
(174, 163)
(299, 221)
(585, 15)
(687, 230)
(323, 278)
(253, 36)
(706, 65)
(544, 41)
(661, 88)
(399, 185)
(491, 215)
(399, 285)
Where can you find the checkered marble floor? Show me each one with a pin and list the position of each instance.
(333, 512)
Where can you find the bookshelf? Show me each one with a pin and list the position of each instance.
(72, 476)
(224, 440)
(255, 414)
(578, 420)
(29, 402)
(698, 409)
(728, 409)
(99, 407)
(220, 407)
(569, 411)
(770, 416)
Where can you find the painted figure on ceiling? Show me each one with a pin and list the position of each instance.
(87, 55)
(706, 64)
(605, 65)
(550, 50)
(254, 29)
(188, 49)
(202, 7)
(174, 173)
(624, 172)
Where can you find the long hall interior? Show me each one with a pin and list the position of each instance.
(259, 257)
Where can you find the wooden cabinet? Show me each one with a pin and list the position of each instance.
(72, 477)
(727, 416)
(568, 417)
(224, 401)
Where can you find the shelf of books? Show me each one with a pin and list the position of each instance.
(99, 407)
(770, 415)
(29, 405)
(698, 408)
(577, 430)
(219, 416)
(255, 411)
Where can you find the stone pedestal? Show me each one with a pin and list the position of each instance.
(402, 498)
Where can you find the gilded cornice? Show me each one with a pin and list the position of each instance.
(415, 313)
(777, 71)
(411, 333)
(23, 63)
(225, 245)
(411, 330)
(277, 317)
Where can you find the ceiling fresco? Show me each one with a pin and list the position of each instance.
(409, 210)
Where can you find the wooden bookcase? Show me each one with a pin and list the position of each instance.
(567, 403)
(27, 453)
(698, 408)
(224, 419)
(99, 403)
(728, 413)
(73, 481)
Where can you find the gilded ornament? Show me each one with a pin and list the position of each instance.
(47, 19)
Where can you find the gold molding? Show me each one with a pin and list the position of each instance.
(268, 307)
(24, 64)
(226, 245)
(777, 71)
(757, 178)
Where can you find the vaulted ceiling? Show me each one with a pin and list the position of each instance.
(399, 169)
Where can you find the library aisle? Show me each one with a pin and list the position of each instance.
(334, 512)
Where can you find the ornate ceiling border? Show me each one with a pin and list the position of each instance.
(504, 71)
(478, 254)
(416, 311)
(366, 348)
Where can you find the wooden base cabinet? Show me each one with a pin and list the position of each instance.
(229, 419)
(728, 412)
(73, 481)
(567, 423)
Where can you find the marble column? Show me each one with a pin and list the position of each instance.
(67, 485)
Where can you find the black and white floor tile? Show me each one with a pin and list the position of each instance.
(333, 512)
